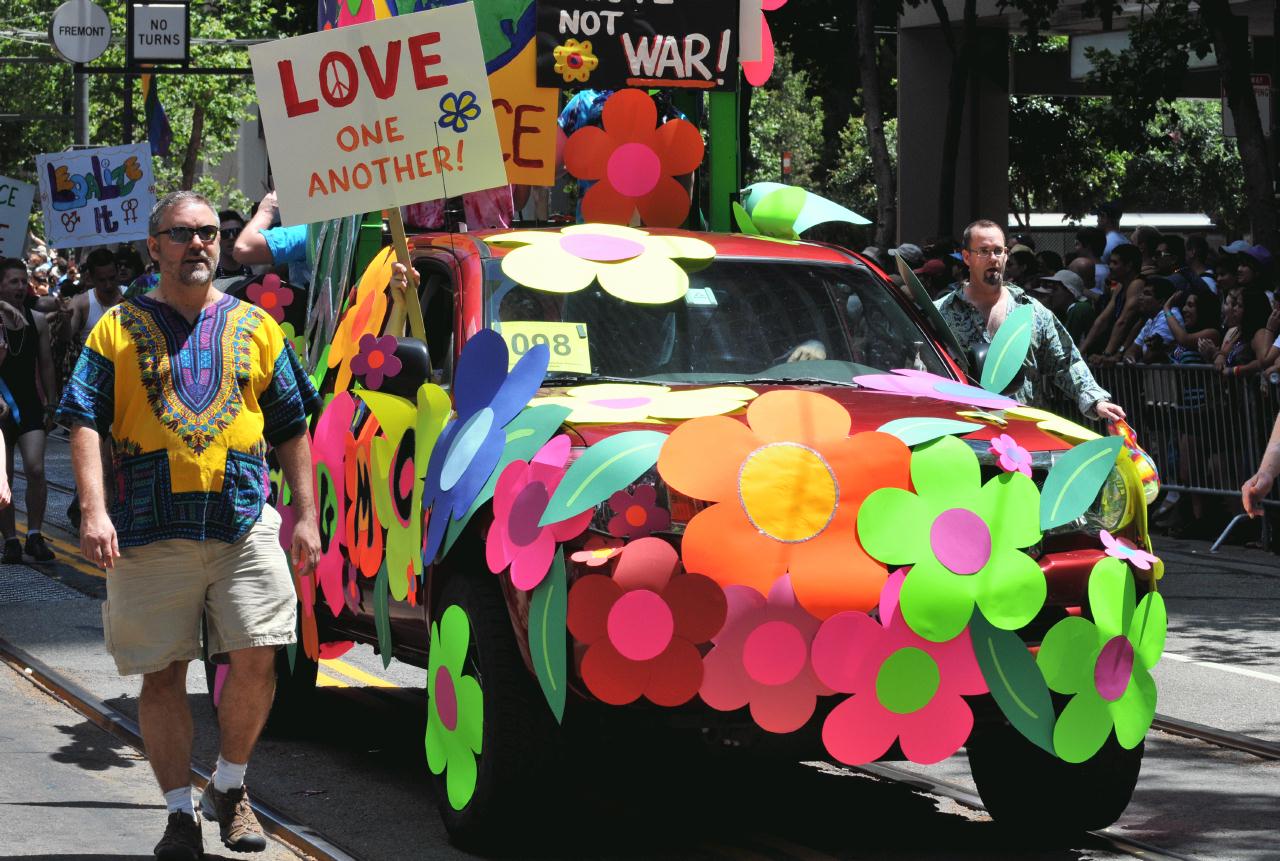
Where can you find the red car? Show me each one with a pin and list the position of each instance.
(767, 336)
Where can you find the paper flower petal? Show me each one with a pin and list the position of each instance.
(1082, 727)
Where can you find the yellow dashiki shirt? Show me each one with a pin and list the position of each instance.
(190, 408)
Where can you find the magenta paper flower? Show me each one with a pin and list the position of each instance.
(922, 384)
(1011, 456)
(271, 296)
(597, 551)
(1126, 551)
(519, 501)
(904, 687)
(637, 514)
(376, 360)
(761, 658)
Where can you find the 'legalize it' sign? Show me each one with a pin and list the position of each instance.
(381, 114)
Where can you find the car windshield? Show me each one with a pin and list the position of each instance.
(741, 320)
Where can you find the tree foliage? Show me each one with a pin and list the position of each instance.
(786, 118)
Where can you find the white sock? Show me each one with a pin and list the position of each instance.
(180, 799)
(228, 775)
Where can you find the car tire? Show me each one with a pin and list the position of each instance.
(295, 687)
(1029, 791)
(521, 741)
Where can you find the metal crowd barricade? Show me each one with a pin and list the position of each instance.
(1205, 431)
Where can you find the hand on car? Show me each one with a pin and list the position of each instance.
(809, 351)
(1109, 411)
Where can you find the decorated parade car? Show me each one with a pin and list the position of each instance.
(724, 476)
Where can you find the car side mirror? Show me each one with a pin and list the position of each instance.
(415, 369)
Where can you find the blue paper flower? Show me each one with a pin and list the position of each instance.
(469, 448)
(460, 109)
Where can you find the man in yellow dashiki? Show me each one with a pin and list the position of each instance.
(193, 385)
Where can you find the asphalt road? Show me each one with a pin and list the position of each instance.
(357, 772)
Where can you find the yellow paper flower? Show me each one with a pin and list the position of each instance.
(575, 61)
(621, 402)
(630, 264)
(1052, 423)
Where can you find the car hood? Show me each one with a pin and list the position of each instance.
(868, 410)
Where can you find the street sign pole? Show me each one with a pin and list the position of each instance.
(723, 157)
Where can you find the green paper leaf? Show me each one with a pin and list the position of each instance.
(1008, 349)
(606, 467)
(382, 615)
(1015, 681)
(1074, 481)
(921, 429)
(776, 213)
(526, 433)
(548, 611)
(745, 224)
(932, 315)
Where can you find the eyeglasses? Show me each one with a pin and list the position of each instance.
(989, 252)
(182, 235)
(229, 232)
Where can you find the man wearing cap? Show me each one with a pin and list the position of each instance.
(1063, 293)
(978, 307)
(1109, 215)
(910, 252)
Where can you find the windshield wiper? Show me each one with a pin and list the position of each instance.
(794, 381)
(570, 377)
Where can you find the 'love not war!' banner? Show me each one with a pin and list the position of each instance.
(15, 205)
(613, 44)
(96, 196)
(381, 114)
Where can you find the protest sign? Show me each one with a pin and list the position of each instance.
(390, 112)
(15, 205)
(609, 46)
(96, 196)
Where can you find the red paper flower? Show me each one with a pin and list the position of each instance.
(642, 626)
(376, 360)
(634, 160)
(271, 296)
(636, 515)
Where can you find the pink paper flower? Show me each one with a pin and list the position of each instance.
(1126, 551)
(761, 658)
(271, 296)
(376, 360)
(519, 501)
(597, 551)
(637, 514)
(922, 384)
(1011, 456)
(904, 687)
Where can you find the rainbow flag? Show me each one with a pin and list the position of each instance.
(159, 134)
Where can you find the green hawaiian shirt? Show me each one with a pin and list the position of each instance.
(1053, 355)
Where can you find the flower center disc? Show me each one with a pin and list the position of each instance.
(640, 625)
(526, 510)
(961, 541)
(376, 359)
(788, 491)
(634, 170)
(464, 448)
(1114, 668)
(636, 515)
(446, 699)
(600, 247)
(907, 681)
(774, 653)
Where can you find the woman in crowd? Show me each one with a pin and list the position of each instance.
(1198, 334)
(1245, 313)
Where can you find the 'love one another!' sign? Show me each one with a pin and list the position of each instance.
(381, 114)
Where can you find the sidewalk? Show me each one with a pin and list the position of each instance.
(69, 790)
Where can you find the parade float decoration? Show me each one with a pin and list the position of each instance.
(785, 211)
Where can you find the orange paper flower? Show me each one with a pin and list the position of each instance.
(364, 316)
(634, 160)
(787, 487)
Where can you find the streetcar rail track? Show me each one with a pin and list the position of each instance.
(1217, 737)
(298, 837)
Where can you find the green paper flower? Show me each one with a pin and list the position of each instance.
(962, 539)
(455, 714)
(1106, 663)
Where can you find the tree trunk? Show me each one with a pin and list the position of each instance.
(957, 95)
(191, 159)
(881, 163)
(1231, 43)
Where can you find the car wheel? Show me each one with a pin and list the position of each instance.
(520, 746)
(1028, 790)
(295, 686)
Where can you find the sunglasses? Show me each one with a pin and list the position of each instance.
(230, 232)
(182, 235)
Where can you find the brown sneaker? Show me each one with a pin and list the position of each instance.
(237, 824)
(181, 840)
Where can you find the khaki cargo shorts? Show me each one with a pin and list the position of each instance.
(157, 593)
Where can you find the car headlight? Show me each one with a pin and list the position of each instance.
(1109, 509)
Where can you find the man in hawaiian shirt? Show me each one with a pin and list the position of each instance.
(192, 386)
(976, 309)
